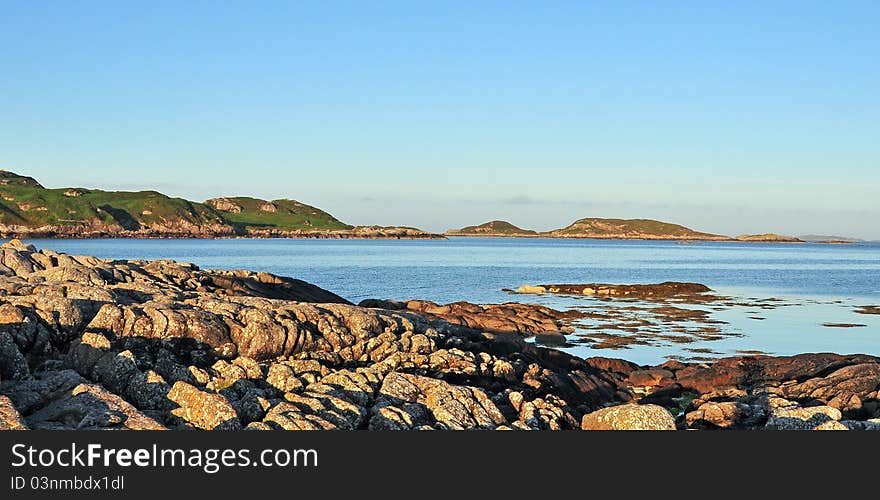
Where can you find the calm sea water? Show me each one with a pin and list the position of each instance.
(821, 283)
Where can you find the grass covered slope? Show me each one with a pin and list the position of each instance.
(492, 228)
(253, 213)
(28, 210)
(646, 229)
(34, 207)
(13, 179)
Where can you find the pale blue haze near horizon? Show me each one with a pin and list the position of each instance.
(728, 117)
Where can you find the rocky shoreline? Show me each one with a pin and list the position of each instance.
(207, 232)
(88, 343)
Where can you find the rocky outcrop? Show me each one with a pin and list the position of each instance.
(148, 344)
(630, 417)
(808, 391)
(527, 320)
(224, 205)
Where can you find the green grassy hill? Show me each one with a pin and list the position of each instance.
(29, 209)
(253, 213)
(36, 206)
(492, 228)
(13, 179)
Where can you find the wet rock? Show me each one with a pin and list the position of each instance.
(629, 417)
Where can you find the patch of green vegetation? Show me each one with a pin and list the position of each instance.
(24, 202)
(36, 206)
(12, 179)
(253, 213)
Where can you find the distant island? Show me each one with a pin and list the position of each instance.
(818, 238)
(493, 228)
(29, 210)
(769, 238)
(595, 228)
(631, 229)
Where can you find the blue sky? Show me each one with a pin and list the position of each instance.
(725, 116)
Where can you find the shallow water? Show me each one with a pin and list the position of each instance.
(817, 283)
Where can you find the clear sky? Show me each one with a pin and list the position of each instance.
(728, 117)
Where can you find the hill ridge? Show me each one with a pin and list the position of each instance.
(29, 210)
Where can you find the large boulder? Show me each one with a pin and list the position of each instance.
(629, 417)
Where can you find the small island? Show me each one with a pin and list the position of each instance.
(768, 238)
(631, 229)
(493, 228)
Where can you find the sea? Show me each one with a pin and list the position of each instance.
(784, 298)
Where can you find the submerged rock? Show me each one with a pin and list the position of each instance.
(650, 291)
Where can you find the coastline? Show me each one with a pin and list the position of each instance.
(347, 235)
(720, 240)
(91, 343)
(342, 234)
(587, 237)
